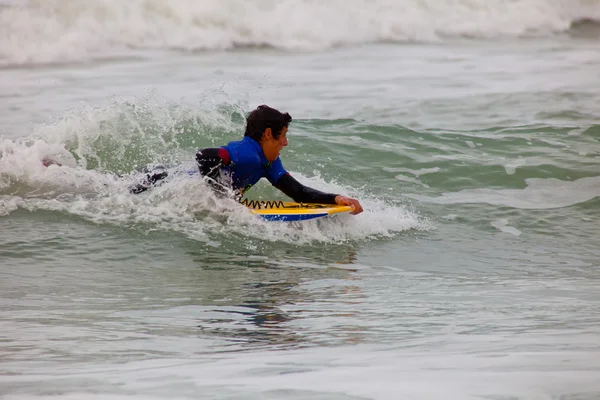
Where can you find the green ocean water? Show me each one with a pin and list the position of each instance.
(473, 272)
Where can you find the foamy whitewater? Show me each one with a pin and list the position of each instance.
(52, 31)
(469, 131)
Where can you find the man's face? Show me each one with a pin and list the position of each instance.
(271, 146)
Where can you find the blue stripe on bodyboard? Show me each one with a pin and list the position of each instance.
(291, 217)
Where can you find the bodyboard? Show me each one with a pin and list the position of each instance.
(290, 211)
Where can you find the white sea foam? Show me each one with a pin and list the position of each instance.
(57, 31)
(502, 225)
(538, 195)
(186, 205)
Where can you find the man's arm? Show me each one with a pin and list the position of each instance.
(303, 194)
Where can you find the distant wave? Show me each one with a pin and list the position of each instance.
(585, 28)
(58, 31)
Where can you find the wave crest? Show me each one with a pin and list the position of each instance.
(52, 31)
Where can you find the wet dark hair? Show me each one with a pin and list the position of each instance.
(266, 117)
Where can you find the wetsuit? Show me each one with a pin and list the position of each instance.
(238, 166)
(245, 164)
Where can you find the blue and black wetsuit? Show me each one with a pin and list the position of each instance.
(238, 166)
(245, 164)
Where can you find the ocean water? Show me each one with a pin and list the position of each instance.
(468, 129)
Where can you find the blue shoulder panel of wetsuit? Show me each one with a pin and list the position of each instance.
(245, 167)
(248, 164)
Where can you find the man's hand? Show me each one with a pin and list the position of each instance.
(349, 201)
